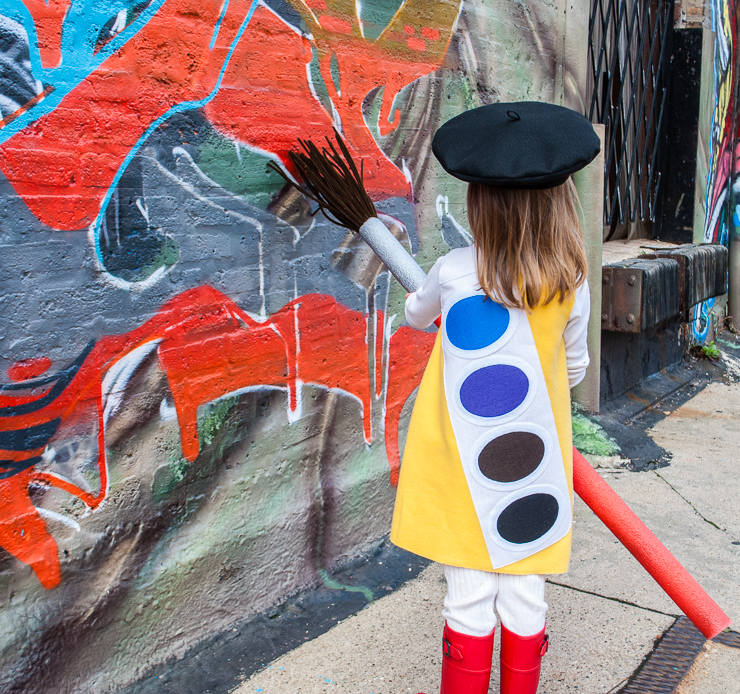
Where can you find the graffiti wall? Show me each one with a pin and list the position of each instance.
(724, 143)
(204, 384)
(721, 220)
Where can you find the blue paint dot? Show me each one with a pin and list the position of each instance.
(494, 390)
(476, 322)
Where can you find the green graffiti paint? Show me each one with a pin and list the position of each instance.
(329, 582)
(163, 258)
(215, 432)
(375, 16)
(318, 86)
(214, 418)
(239, 170)
(335, 76)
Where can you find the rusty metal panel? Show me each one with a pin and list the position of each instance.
(639, 294)
(702, 271)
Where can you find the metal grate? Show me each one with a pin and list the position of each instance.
(668, 664)
(629, 57)
(664, 669)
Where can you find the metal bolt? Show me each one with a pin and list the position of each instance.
(604, 316)
(630, 318)
(631, 280)
(604, 279)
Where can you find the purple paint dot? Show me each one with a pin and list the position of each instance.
(494, 390)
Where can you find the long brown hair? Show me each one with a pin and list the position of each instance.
(529, 243)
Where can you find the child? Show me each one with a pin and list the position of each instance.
(486, 480)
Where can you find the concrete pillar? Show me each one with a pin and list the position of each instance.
(590, 185)
(572, 75)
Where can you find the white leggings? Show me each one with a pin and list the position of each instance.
(472, 595)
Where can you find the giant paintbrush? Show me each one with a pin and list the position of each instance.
(331, 179)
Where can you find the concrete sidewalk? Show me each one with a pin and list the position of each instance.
(605, 614)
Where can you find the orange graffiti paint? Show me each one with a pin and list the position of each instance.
(23, 532)
(48, 16)
(29, 368)
(409, 352)
(266, 85)
(208, 347)
(394, 60)
(64, 163)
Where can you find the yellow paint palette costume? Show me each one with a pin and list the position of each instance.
(486, 478)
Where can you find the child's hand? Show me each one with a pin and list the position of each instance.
(408, 294)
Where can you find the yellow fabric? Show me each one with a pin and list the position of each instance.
(434, 515)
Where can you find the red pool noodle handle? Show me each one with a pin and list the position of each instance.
(671, 576)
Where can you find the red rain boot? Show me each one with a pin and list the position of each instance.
(521, 657)
(466, 662)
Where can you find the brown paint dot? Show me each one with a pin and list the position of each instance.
(511, 457)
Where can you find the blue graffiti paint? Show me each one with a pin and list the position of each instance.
(218, 25)
(80, 30)
(177, 108)
(700, 320)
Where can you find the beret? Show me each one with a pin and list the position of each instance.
(526, 144)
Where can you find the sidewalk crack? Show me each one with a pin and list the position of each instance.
(608, 597)
(696, 510)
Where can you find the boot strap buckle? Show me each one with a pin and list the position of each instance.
(451, 651)
(544, 645)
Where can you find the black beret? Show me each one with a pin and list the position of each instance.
(527, 144)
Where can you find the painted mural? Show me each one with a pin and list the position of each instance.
(725, 146)
(722, 218)
(204, 385)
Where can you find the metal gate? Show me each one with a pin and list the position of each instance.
(629, 55)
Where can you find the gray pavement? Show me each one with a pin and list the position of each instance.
(605, 614)
(715, 671)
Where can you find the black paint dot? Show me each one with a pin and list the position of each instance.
(511, 457)
(527, 519)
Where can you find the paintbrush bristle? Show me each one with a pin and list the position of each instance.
(332, 181)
